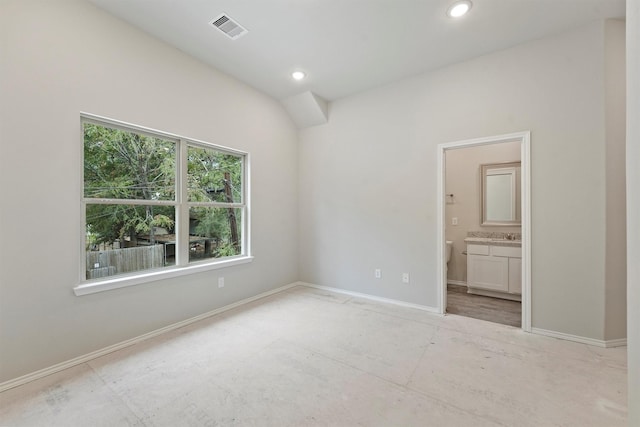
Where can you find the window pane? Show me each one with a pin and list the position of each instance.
(124, 238)
(214, 176)
(214, 232)
(127, 165)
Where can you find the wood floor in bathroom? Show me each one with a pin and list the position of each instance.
(495, 310)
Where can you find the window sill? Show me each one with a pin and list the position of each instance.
(93, 287)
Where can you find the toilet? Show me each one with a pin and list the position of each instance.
(449, 248)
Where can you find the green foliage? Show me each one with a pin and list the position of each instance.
(207, 170)
(126, 165)
(226, 249)
(163, 221)
(108, 223)
(133, 166)
(210, 223)
(215, 176)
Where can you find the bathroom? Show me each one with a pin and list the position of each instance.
(473, 230)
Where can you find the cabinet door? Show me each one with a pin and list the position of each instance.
(515, 276)
(488, 272)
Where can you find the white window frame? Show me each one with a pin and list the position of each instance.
(182, 266)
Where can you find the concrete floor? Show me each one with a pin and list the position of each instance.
(310, 357)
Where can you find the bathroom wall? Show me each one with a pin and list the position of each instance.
(368, 180)
(58, 58)
(633, 207)
(615, 123)
(463, 180)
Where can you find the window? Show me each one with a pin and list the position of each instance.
(155, 202)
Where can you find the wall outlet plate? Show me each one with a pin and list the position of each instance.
(377, 273)
(221, 282)
(405, 277)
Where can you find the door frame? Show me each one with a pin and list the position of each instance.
(524, 138)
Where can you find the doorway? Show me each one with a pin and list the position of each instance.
(524, 207)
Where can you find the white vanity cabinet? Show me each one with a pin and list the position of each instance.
(494, 270)
(515, 275)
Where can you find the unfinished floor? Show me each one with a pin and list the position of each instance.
(308, 357)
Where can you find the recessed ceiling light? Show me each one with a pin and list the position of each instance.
(459, 9)
(298, 75)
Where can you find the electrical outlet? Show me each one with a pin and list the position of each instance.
(454, 220)
(221, 282)
(405, 277)
(377, 273)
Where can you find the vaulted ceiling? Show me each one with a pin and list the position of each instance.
(347, 46)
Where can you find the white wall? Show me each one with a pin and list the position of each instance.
(62, 57)
(368, 177)
(463, 181)
(633, 208)
(615, 125)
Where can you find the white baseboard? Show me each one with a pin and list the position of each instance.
(494, 294)
(583, 340)
(127, 343)
(619, 342)
(560, 335)
(433, 310)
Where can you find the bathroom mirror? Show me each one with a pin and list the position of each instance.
(500, 201)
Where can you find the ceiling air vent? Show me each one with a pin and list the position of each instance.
(231, 28)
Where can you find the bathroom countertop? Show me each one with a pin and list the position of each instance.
(493, 241)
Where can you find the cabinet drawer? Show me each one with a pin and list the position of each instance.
(478, 249)
(506, 251)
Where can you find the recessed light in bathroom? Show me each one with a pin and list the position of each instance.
(298, 75)
(459, 8)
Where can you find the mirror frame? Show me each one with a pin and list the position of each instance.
(517, 222)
